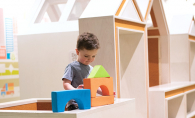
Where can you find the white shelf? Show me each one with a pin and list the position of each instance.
(176, 107)
(171, 86)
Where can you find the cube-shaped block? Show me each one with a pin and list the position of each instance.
(60, 99)
(102, 100)
(106, 84)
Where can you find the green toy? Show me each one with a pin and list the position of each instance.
(98, 72)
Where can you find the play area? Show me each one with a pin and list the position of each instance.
(145, 65)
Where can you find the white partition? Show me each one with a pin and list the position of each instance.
(103, 28)
(192, 60)
(42, 61)
(190, 98)
(132, 68)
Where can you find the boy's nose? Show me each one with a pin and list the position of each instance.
(89, 58)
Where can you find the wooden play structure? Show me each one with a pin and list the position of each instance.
(147, 47)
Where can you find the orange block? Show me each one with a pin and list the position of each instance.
(102, 100)
(106, 84)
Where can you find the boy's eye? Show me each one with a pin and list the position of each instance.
(93, 56)
(86, 56)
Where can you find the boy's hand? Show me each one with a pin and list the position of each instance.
(81, 86)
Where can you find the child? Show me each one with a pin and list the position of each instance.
(75, 72)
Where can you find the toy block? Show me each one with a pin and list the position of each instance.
(60, 99)
(106, 84)
(102, 100)
(98, 72)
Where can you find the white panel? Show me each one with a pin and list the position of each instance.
(42, 60)
(129, 11)
(124, 108)
(143, 6)
(180, 24)
(160, 17)
(179, 58)
(192, 61)
(132, 70)
(103, 28)
(157, 104)
(98, 8)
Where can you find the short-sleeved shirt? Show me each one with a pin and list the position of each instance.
(76, 72)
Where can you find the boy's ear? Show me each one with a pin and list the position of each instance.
(77, 51)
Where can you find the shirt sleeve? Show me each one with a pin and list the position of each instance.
(68, 73)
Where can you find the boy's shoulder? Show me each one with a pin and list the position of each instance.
(73, 64)
(76, 64)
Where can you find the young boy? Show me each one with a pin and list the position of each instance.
(75, 72)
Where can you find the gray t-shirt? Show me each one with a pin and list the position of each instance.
(76, 72)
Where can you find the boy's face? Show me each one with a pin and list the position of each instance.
(86, 56)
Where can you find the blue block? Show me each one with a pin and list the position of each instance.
(60, 99)
(8, 55)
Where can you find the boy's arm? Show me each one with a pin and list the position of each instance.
(67, 84)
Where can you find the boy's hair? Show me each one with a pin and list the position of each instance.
(87, 41)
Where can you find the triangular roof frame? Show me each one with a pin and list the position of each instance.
(142, 16)
(57, 17)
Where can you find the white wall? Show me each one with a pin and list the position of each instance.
(42, 60)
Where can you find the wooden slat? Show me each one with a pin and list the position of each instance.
(121, 6)
(136, 6)
(44, 106)
(191, 37)
(174, 92)
(31, 106)
(129, 24)
(178, 91)
(147, 10)
(117, 62)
